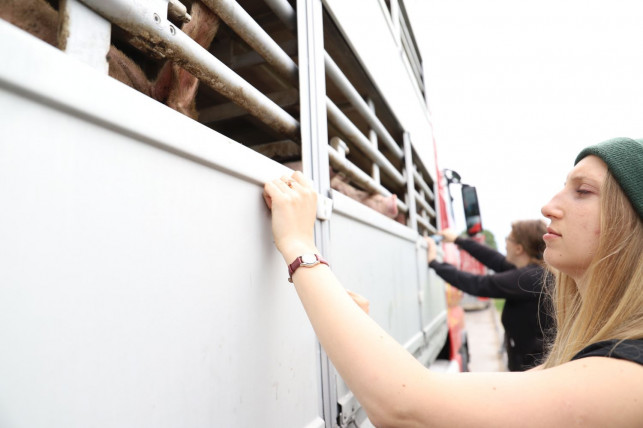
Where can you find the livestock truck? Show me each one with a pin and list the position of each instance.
(139, 283)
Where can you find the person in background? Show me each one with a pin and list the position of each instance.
(519, 279)
(593, 374)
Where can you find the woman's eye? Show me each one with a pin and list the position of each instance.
(583, 192)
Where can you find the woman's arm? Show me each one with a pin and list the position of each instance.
(485, 255)
(360, 350)
(396, 390)
(524, 283)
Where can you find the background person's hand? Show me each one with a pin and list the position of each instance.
(293, 202)
(449, 235)
(432, 251)
(361, 301)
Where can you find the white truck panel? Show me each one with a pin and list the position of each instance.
(357, 246)
(120, 303)
(379, 258)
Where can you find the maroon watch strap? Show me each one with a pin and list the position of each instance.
(300, 262)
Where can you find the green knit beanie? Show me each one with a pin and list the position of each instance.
(624, 159)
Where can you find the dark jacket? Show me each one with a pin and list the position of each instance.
(525, 316)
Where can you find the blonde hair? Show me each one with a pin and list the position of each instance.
(612, 306)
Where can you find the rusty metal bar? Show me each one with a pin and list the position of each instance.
(356, 175)
(428, 226)
(337, 118)
(355, 136)
(420, 199)
(284, 12)
(345, 86)
(151, 29)
(247, 28)
(178, 11)
(419, 180)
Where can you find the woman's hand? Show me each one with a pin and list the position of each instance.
(294, 208)
(361, 301)
(432, 251)
(449, 235)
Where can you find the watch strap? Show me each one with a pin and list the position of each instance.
(299, 262)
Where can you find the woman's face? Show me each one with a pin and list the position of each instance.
(572, 235)
(512, 248)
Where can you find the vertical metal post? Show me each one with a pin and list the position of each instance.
(410, 182)
(84, 34)
(439, 179)
(395, 17)
(422, 210)
(314, 142)
(421, 266)
(421, 195)
(372, 135)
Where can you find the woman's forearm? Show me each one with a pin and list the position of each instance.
(385, 378)
(377, 369)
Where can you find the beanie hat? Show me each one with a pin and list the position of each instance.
(624, 159)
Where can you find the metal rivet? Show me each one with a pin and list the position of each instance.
(157, 18)
(172, 30)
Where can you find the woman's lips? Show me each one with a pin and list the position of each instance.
(551, 234)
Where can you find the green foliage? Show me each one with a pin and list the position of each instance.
(489, 239)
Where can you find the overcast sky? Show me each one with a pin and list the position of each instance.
(517, 88)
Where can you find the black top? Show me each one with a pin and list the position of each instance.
(630, 350)
(525, 315)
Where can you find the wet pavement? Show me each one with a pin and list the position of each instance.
(485, 335)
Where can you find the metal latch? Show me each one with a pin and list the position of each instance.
(324, 207)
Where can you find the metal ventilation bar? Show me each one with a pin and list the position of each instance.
(356, 175)
(420, 181)
(151, 28)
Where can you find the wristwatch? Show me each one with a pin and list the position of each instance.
(305, 260)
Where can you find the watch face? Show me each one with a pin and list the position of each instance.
(308, 259)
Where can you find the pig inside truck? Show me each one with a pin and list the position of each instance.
(139, 285)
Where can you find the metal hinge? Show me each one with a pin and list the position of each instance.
(347, 408)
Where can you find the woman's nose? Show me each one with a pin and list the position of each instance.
(552, 208)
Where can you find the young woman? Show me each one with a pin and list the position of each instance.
(593, 375)
(519, 278)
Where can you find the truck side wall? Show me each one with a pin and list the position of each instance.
(139, 284)
(139, 278)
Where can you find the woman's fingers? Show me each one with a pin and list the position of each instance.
(266, 197)
(293, 205)
(283, 183)
(299, 178)
(271, 190)
(275, 188)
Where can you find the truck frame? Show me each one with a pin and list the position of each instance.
(139, 284)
